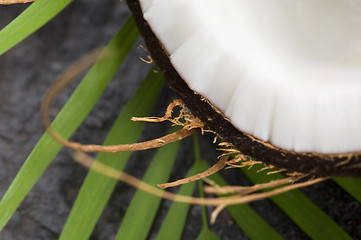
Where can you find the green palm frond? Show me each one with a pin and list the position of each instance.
(142, 213)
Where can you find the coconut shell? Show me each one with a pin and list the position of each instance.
(343, 164)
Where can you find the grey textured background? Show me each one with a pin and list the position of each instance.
(27, 71)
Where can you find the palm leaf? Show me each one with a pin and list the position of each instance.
(68, 120)
(306, 215)
(144, 206)
(296, 205)
(34, 17)
(96, 189)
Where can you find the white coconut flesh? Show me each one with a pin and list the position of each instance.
(286, 72)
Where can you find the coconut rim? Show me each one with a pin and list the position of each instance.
(320, 164)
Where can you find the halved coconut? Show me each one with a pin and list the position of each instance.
(281, 80)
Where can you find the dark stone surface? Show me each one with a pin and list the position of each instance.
(27, 71)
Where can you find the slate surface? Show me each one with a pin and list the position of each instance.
(26, 72)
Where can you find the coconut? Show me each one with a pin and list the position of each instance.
(277, 79)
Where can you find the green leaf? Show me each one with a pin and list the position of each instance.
(97, 189)
(175, 220)
(311, 219)
(247, 219)
(351, 185)
(34, 17)
(68, 120)
(206, 234)
(140, 214)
